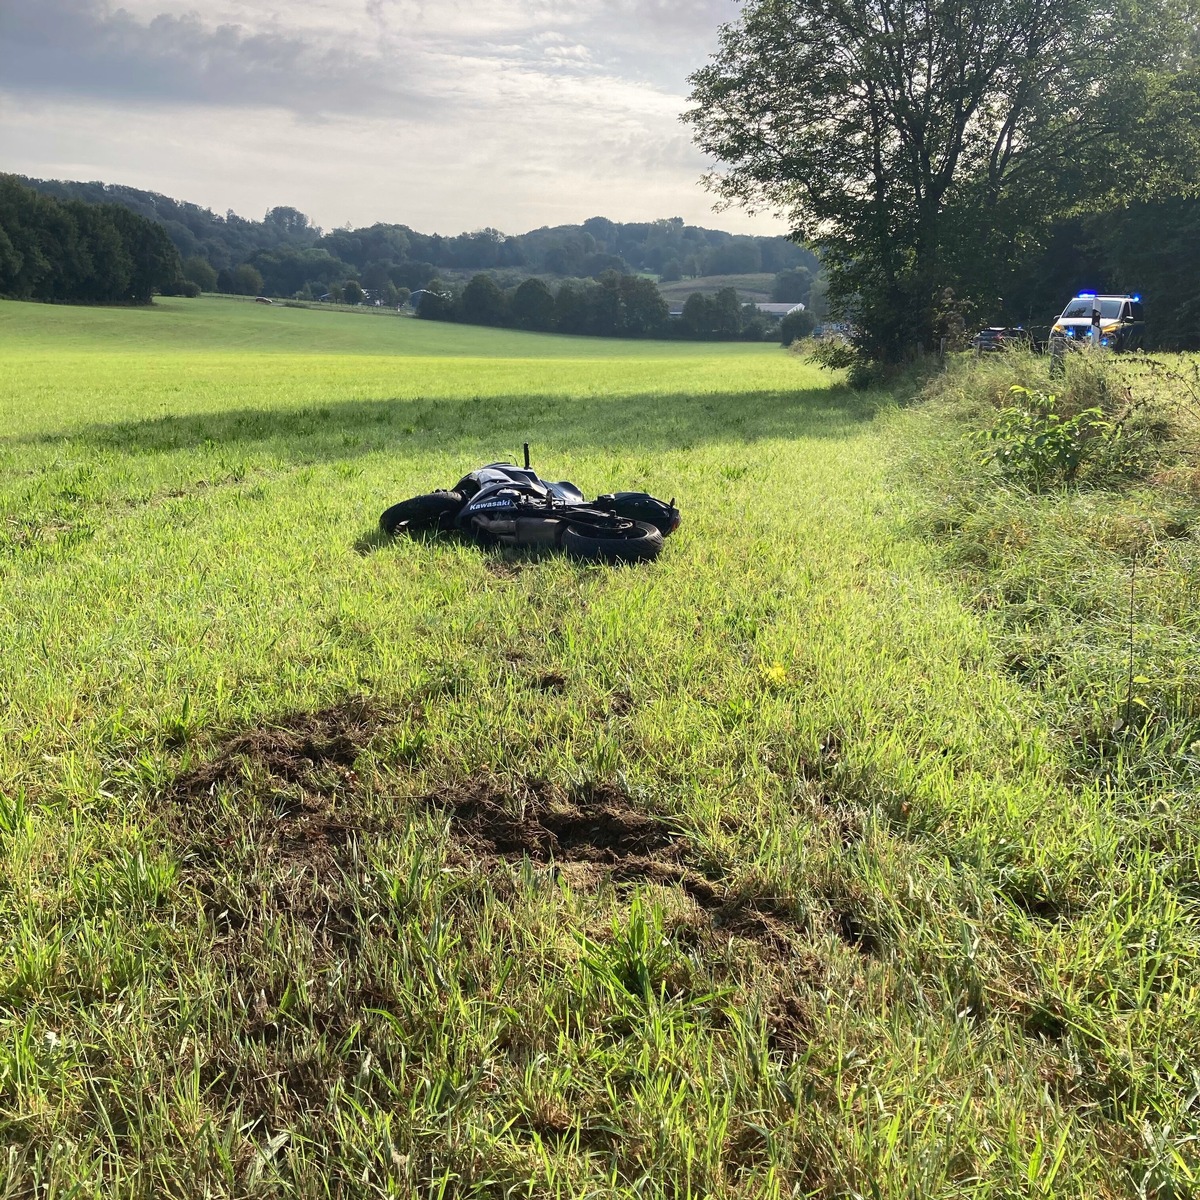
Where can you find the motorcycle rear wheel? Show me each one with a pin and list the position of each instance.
(637, 542)
(434, 512)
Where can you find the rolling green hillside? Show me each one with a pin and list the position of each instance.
(212, 325)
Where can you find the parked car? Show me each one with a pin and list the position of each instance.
(1119, 320)
(1002, 337)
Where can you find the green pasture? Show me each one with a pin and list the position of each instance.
(225, 326)
(751, 287)
(283, 912)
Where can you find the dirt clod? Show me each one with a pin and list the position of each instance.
(597, 828)
(298, 780)
(594, 825)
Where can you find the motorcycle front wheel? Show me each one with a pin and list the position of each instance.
(635, 542)
(432, 513)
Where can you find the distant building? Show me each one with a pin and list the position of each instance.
(778, 311)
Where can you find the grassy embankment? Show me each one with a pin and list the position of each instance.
(334, 868)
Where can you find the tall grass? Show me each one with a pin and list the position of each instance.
(1082, 580)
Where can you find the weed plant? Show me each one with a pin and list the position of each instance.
(336, 867)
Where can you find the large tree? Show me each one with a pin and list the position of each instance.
(532, 306)
(925, 144)
(645, 311)
(483, 302)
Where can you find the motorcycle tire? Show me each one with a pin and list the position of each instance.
(637, 543)
(433, 513)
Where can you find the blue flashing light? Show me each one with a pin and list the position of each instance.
(1087, 295)
(1137, 298)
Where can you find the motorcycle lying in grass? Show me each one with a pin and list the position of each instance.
(502, 504)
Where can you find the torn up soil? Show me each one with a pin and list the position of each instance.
(596, 827)
(272, 821)
(287, 788)
(268, 831)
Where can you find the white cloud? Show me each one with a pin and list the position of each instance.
(445, 115)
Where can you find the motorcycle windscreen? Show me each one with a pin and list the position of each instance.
(567, 492)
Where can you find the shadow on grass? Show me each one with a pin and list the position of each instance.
(370, 541)
(495, 424)
(501, 562)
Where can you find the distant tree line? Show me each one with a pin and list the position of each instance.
(292, 255)
(1149, 245)
(615, 305)
(74, 252)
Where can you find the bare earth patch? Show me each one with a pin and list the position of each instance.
(280, 802)
(300, 771)
(595, 828)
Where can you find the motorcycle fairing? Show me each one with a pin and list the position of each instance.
(527, 481)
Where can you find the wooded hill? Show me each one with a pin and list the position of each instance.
(290, 253)
(1146, 246)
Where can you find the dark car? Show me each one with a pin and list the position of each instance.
(1002, 337)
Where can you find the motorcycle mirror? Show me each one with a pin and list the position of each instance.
(527, 456)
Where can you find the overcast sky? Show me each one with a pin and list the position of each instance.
(444, 115)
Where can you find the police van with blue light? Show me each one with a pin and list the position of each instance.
(1110, 322)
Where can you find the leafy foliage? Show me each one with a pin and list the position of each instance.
(533, 306)
(921, 147)
(483, 302)
(833, 353)
(1032, 440)
(74, 252)
(201, 273)
(796, 325)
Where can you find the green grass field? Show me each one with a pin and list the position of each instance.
(343, 868)
(749, 287)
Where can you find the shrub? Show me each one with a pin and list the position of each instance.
(1102, 420)
(796, 325)
(1033, 441)
(200, 272)
(833, 353)
(180, 287)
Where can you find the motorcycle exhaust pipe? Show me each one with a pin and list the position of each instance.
(537, 531)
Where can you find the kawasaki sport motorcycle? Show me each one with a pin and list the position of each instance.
(507, 505)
